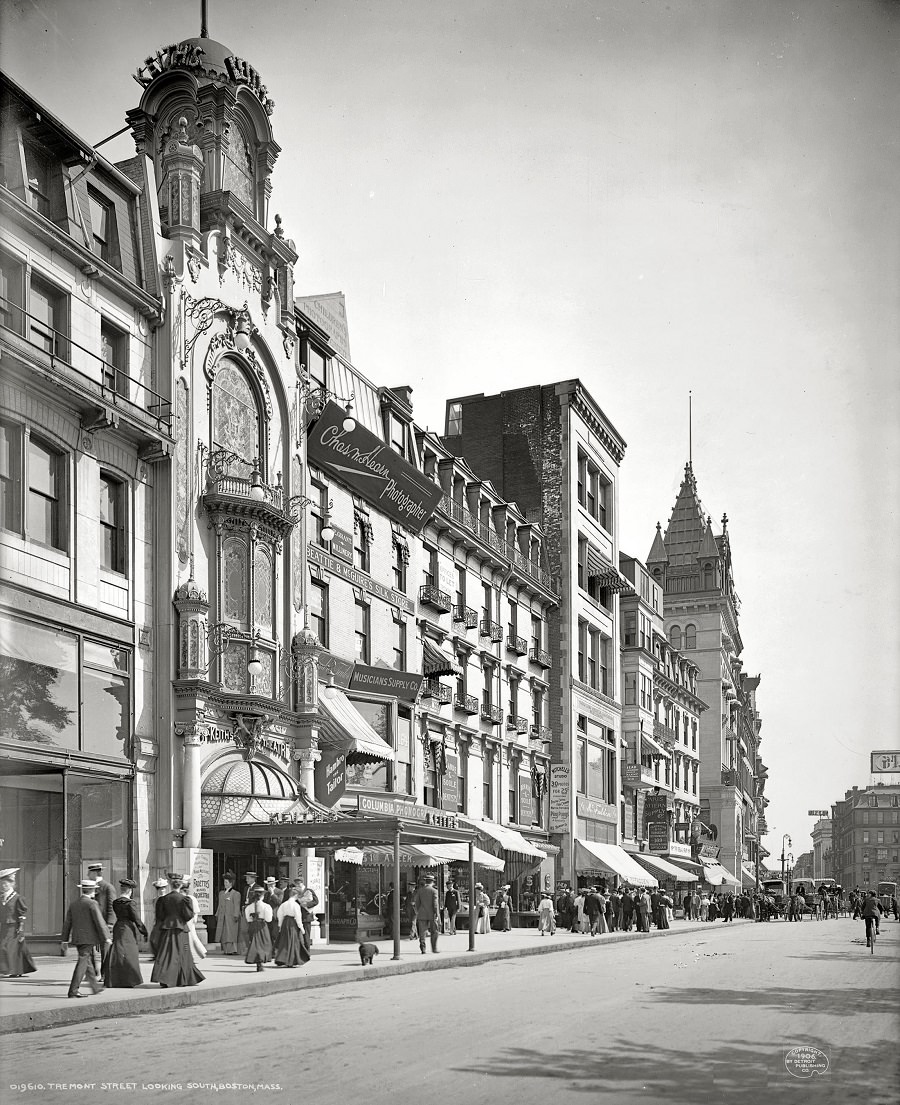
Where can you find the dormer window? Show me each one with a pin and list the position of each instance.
(38, 171)
(397, 434)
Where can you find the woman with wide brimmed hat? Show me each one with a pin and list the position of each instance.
(15, 958)
(123, 967)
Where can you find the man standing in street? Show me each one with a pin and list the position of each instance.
(643, 910)
(451, 905)
(85, 927)
(427, 912)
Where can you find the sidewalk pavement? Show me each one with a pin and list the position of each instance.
(39, 1000)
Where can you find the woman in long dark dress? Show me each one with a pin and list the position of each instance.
(174, 965)
(161, 886)
(15, 958)
(258, 915)
(290, 949)
(123, 968)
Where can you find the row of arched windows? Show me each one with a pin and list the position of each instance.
(686, 640)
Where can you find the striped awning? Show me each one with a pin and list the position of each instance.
(663, 869)
(342, 727)
(591, 855)
(417, 855)
(508, 839)
(605, 572)
(436, 662)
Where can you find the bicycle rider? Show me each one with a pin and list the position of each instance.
(872, 913)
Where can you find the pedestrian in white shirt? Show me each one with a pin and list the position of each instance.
(290, 949)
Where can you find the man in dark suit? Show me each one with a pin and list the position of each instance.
(85, 927)
(428, 913)
(104, 897)
(273, 897)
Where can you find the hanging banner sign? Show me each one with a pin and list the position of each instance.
(404, 685)
(560, 798)
(372, 469)
(450, 784)
(526, 800)
(331, 778)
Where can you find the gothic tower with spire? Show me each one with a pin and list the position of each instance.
(693, 566)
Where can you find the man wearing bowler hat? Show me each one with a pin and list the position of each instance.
(85, 926)
(428, 911)
(104, 898)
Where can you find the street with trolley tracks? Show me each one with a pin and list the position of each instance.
(743, 1013)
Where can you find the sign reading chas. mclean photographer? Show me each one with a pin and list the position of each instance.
(372, 469)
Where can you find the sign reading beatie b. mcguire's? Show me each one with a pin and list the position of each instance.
(372, 469)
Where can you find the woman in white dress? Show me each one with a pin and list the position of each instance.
(578, 906)
(483, 906)
(198, 949)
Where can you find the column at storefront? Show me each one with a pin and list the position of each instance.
(192, 737)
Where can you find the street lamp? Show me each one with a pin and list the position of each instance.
(785, 843)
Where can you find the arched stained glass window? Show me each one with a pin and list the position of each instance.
(236, 421)
(234, 578)
(263, 590)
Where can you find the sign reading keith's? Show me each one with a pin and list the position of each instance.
(372, 469)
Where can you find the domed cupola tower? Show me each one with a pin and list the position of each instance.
(226, 110)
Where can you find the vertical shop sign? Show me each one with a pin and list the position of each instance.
(560, 797)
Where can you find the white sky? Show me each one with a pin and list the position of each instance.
(651, 196)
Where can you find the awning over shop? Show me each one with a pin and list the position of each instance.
(508, 839)
(605, 573)
(591, 854)
(342, 727)
(717, 875)
(436, 662)
(662, 868)
(695, 870)
(417, 855)
(748, 880)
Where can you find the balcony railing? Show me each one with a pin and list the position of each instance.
(493, 714)
(494, 630)
(435, 689)
(465, 615)
(468, 703)
(515, 644)
(663, 732)
(516, 724)
(489, 535)
(540, 733)
(94, 376)
(434, 597)
(241, 488)
(539, 657)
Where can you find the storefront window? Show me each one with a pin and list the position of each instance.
(372, 776)
(54, 824)
(43, 683)
(38, 684)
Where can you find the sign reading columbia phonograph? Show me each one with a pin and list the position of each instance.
(372, 469)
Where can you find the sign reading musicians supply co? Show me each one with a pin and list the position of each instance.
(404, 685)
(372, 469)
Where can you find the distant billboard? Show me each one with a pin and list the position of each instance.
(885, 762)
(818, 813)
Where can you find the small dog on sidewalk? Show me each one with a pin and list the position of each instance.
(367, 953)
